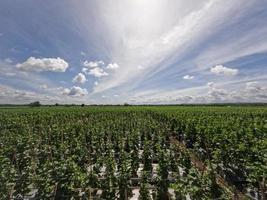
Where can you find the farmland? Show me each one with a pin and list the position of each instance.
(131, 152)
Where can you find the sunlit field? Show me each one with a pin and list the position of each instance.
(133, 152)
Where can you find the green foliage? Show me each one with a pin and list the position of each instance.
(75, 152)
(35, 104)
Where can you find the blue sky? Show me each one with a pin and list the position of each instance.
(135, 51)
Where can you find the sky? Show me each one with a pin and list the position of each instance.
(134, 51)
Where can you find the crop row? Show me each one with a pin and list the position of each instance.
(129, 153)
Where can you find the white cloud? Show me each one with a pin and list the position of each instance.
(25, 79)
(85, 70)
(93, 64)
(94, 68)
(255, 88)
(154, 32)
(146, 38)
(155, 35)
(9, 95)
(97, 72)
(188, 77)
(251, 91)
(95, 83)
(113, 66)
(79, 78)
(75, 91)
(216, 94)
(43, 64)
(210, 84)
(221, 70)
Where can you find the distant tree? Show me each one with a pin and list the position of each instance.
(82, 105)
(35, 104)
(56, 104)
(126, 104)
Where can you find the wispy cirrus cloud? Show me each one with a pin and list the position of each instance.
(156, 43)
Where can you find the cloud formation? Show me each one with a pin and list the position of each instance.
(9, 95)
(113, 66)
(95, 68)
(136, 47)
(43, 64)
(188, 77)
(97, 72)
(93, 64)
(209, 93)
(75, 91)
(79, 78)
(221, 70)
(155, 35)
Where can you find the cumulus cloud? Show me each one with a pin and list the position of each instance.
(216, 94)
(75, 91)
(251, 92)
(254, 89)
(113, 66)
(93, 64)
(188, 77)
(221, 70)
(95, 68)
(79, 78)
(97, 72)
(43, 64)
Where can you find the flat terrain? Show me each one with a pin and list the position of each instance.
(131, 152)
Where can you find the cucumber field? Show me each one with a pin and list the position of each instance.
(133, 152)
(133, 100)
